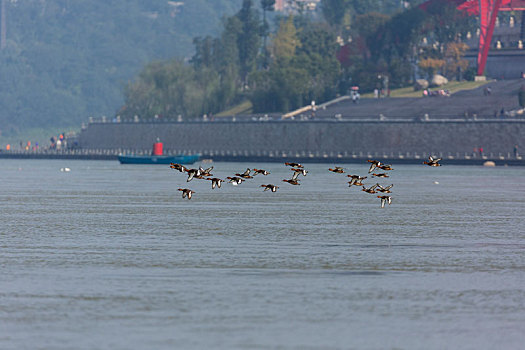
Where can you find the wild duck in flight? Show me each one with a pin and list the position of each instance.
(432, 161)
(270, 187)
(186, 192)
(384, 200)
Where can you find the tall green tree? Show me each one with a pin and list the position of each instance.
(248, 40)
(334, 12)
(205, 52)
(285, 42)
(267, 6)
(228, 64)
(317, 54)
(168, 89)
(305, 68)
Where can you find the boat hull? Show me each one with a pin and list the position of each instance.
(180, 159)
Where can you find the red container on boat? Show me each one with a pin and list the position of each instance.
(157, 149)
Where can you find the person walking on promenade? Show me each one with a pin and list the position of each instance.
(516, 154)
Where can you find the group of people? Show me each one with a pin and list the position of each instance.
(441, 92)
(28, 146)
(479, 151)
(379, 93)
(58, 142)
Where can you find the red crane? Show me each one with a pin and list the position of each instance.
(488, 11)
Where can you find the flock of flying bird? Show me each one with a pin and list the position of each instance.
(297, 169)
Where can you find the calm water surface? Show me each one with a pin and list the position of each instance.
(109, 256)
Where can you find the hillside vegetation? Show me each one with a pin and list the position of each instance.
(66, 60)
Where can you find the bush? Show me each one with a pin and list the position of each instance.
(470, 74)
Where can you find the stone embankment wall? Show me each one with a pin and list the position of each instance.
(504, 64)
(259, 138)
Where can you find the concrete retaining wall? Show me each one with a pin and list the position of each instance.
(310, 136)
(503, 64)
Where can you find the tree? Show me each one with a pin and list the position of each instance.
(317, 54)
(334, 12)
(248, 40)
(285, 42)
(445, 23)
(205, 51)
(367, 29)
(267, 5)
(455, 64)
(169, 89)
(402, 32)
(431, 65)
(305, 68)
(361, 7)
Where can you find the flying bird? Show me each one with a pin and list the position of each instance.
(385, 167)
(432, 161)
(384, 189)
(235, 180)
(270, 187)
(375, 163)
(292, 182)
(298, 172)
(356, 180)
(178, 167)
(206, 172)
(186, 192)
(371, 189)
(215, 182)
(260, 171)
(354, 183)
(384, 200)
(246, 174)
(380, 175)
(337, 169)
(193, 173)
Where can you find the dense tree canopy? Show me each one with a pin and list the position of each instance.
(308, 58)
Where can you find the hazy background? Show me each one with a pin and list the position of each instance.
(67, 60)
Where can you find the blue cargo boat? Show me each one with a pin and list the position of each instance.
(157, 157)
(136, 159)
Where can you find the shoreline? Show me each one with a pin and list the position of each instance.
(277, 158)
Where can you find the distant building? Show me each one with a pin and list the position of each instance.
(293, 5)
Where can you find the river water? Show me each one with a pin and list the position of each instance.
(109, 256)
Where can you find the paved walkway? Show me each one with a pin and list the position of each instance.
(472, 102)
